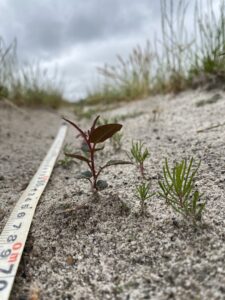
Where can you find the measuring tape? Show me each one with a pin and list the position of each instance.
(15, 232)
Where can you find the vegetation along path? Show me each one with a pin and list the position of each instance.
(82, 246)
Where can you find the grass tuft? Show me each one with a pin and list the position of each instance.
(180, 59)
(28, 85)
(129, 79)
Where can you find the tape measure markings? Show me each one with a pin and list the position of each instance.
(15, 232)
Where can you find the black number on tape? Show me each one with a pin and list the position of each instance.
(21, 215)
(17, 226)
(7, 271)
(24, 206)
(11, 238)
(5, 253)
(3, 284)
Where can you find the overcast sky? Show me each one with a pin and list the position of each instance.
(76, 36)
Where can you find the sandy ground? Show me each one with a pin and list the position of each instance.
(103, 248)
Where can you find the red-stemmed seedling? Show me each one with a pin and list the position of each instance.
(95, 135)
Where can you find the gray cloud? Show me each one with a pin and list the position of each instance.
(48, 27)
(78, 35)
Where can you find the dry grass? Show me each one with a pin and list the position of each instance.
(33, 86)
(28, 85)
(125, 81)
(179, 60)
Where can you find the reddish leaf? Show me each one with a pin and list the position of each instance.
(94, 123)
(78, 156)
(77, 127)
(104, 132)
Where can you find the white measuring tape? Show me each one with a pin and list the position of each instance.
(15, 232)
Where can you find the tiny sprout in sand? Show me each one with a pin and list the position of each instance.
(139, 154)
(143, 193)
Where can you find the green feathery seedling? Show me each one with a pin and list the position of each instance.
(143, 193)
(90, 138)
(178, 189)
(139, 154)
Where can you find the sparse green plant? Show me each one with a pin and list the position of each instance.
(127, 80)
(30, 84)
(82, 112)
(180, 59)
(104, 94)
(104, 121)
(7, 60)
(143, 193)
(90, 139)
(130, 115)
(67, 161)
(139, 155)
(210, 100)
(178, 189)
(210, 41)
